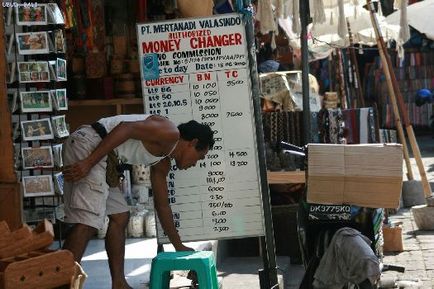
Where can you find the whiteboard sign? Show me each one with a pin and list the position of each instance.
(202, 73)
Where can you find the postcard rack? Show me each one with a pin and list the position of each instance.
(37, 95)
(26, 263)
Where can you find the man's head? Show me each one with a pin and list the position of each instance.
(196, 140)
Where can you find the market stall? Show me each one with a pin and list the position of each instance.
(72, 63)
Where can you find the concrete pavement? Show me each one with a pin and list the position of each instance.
(418, 255)
(241, 272)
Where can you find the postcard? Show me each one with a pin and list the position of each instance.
(16, 132)
(35, 158)
(55, 15)
(11, 71)
(58, 183)
(36, 101)
(9, 16)
(61, 69)
(31, 14)
(52, 68)
(35, 186)
(57, 155)
(10, 40)
(59, 126)
(12, 100)
(59, 41)
(17, 156)
(39, 129)
(33, 71)
(32, 43)
(61, 99)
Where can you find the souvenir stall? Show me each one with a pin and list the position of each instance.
(37, 102)
(95, 73)
(34, 72)
(74, 62)
(414, 72)
(342, 117)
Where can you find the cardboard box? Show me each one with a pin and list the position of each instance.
(367, 175)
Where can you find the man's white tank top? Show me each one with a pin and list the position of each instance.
(132, 151)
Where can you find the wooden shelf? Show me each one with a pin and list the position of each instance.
(100, 102)
(87, 111)
(293, 177)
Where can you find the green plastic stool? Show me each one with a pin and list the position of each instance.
(202, 262)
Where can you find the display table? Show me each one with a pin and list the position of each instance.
(282, 177)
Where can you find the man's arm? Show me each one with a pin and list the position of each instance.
(161, 203)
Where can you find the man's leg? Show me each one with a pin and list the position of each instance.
(77, 239)
(115, 247)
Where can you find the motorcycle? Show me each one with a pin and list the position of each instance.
(317, 224)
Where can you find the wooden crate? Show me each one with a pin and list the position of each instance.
(37, 269)
(26, 263)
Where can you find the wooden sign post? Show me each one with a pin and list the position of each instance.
(10, 197)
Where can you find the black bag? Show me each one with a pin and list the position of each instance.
(112, 175)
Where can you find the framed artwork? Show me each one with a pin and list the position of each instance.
(39, 129)
(35, 186)
(61, 69)
(33, 71)
(61, 100)
(34, 158)
(59, 126)
(32, 43)
(36, 101)
(31, 14)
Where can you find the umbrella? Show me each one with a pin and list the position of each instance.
(326, 31)
(359, 22)
(419, 17)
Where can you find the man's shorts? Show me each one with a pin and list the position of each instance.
(90, 199)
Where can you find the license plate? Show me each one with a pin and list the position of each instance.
(329, 212)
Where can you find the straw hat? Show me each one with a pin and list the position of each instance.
(195, 8)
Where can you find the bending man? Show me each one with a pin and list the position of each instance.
(135, 139)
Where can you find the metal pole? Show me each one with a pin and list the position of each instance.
(268, 276)
(304, 19)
